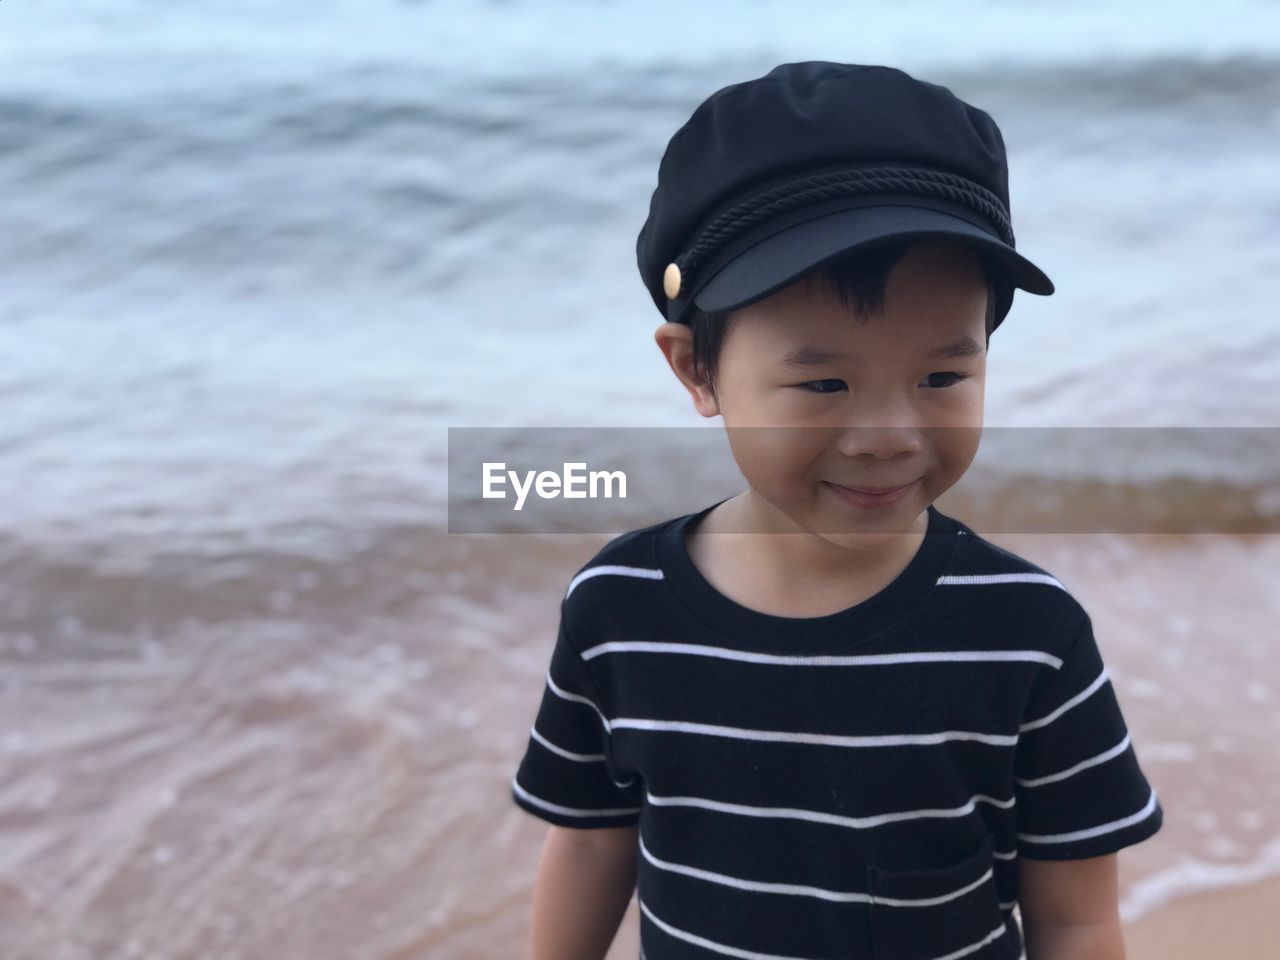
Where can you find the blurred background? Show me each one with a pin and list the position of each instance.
(257, 257)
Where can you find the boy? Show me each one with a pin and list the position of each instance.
(854, 727)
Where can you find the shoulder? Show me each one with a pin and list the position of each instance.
(994, 585)
(618, 576)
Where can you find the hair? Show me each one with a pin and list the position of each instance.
(858, 280)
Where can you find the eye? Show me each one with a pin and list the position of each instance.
(956, 378)
(821, 386)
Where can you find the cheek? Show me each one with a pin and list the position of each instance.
(961, 410)
(769, 454)
(761, 404)
(757, 448)
(955, 449)
(766, 406)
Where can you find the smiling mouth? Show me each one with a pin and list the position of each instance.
(874, 491)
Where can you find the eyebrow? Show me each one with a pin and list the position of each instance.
(807, 355)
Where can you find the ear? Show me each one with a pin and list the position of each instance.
(675, 340)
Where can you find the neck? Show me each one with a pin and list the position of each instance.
(788, 552)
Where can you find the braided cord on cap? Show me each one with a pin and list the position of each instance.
(910, 181)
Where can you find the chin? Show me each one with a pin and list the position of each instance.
(847, 528)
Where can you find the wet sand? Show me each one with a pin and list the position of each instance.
(315, 780)
(1238, 924)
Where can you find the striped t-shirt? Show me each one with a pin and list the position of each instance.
(854, 785)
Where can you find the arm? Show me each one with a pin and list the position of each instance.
(1069, 909)
(585, 881)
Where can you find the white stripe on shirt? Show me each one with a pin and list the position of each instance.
(1102, 828)
(570, 811)
(567, 754)
(727, 950)
(828, 739)
(1103, 757)
(614, 569)
(821, 816)
(973, 579)
(1073, 702)
(804, 890)
(564, 694)
(820, 660)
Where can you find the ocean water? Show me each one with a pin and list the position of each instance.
(258, 257)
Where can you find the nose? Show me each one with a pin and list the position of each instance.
(882, 443)
(883, 430)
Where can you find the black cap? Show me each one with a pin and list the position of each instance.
(773, 177)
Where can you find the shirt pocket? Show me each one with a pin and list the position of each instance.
(951, 911)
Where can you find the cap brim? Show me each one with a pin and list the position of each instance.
(762, 267)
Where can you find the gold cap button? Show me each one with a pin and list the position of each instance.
(671, 281)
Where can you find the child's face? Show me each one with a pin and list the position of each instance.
(887, 382)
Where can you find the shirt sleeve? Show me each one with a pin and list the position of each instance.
(567, 774)
(1079, 789)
